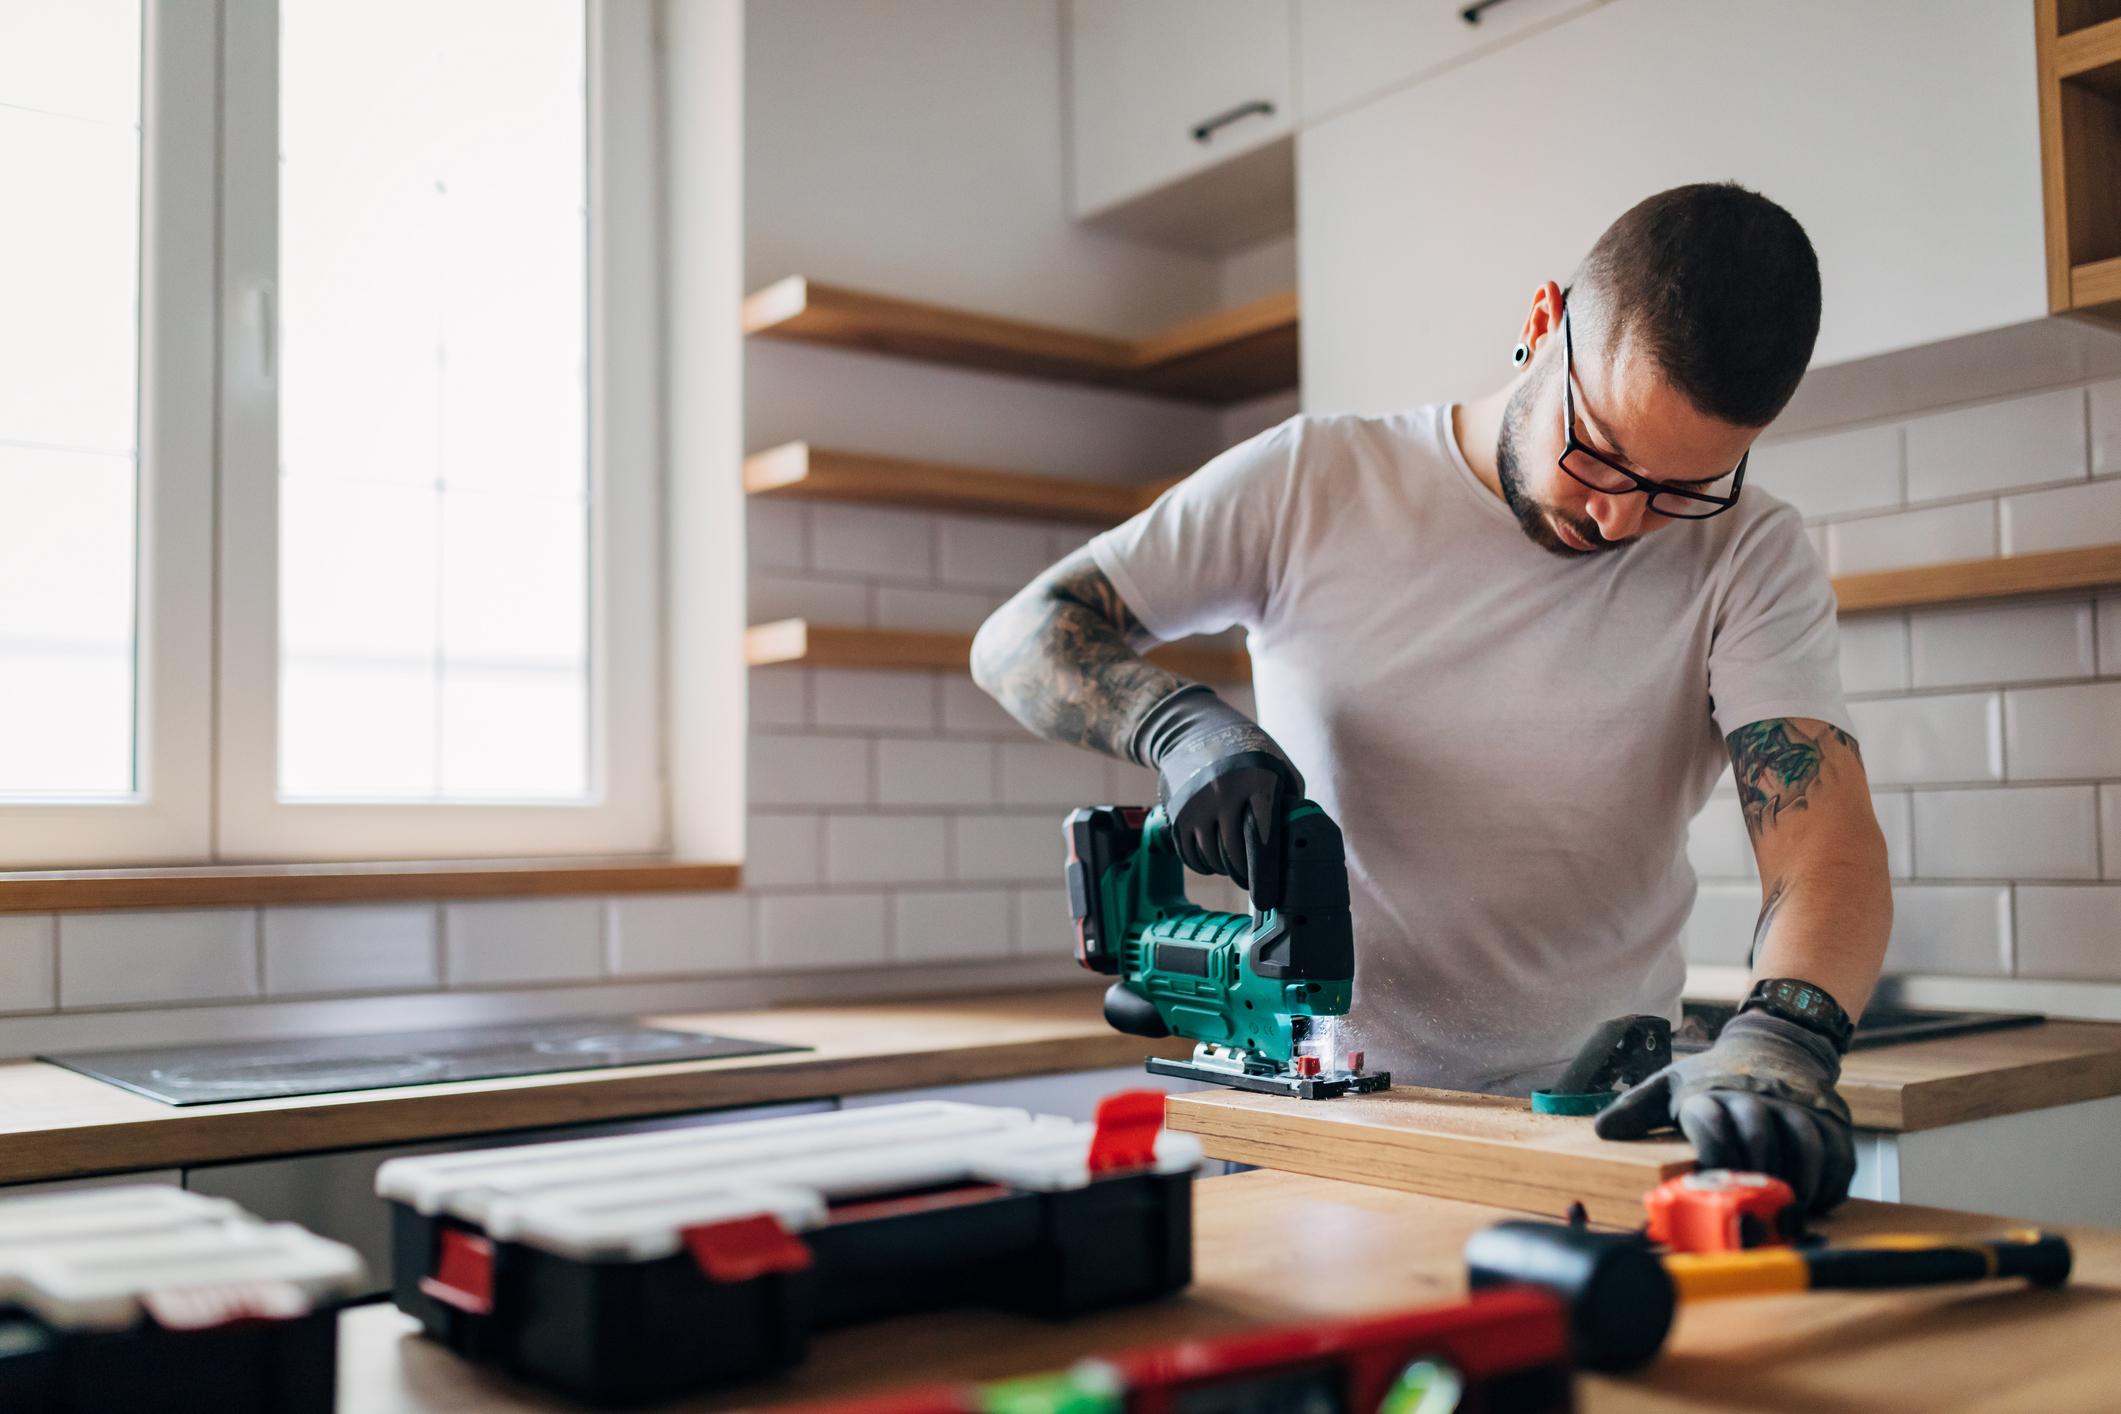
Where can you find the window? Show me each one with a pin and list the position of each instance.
(328, 431)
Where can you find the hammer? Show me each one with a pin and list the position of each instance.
(1620, 1293)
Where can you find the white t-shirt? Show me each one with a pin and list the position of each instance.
(1512, 742)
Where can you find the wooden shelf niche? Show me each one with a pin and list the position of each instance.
(799, 471)
(1980, 581)
(799, 642)
(2078, 49)
(1228, 357)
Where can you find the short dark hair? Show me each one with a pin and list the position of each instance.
(1722, 287)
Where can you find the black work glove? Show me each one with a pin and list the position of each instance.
(1761, 1099)
(1224, 786)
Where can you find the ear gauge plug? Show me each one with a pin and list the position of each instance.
(1519, 354)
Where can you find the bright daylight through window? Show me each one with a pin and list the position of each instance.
(69, 396)
(434, 471)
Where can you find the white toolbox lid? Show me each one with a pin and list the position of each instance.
(581, 1201)
(94, 1260)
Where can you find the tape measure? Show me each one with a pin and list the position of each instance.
(1723, 1210)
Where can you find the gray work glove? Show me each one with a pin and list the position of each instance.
(1761, 1099)
(1224, 786)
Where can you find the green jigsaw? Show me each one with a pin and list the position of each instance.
(1248, 989)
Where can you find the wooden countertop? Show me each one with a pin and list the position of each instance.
(55, 1123)
(1273, 1248)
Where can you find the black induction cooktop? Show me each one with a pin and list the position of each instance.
(318, 1065)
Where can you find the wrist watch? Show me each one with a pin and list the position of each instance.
(1804, 1004)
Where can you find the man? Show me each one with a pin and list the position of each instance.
(1508, 645)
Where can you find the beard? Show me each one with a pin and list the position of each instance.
(1532, 516)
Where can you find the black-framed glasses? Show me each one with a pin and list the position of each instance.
(1594, 471)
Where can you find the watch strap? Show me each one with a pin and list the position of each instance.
(1803, 1004)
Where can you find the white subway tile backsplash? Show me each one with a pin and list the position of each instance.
(1001, 554)
(1717, 844)
(1934, 536)
(822, 930)
(1000, 847)
(2063, 733)
(2068, 932)
(1830, 475)
(1874, 655)
(2108, 615)
(937, 927)
(809, 770)
(2106, 428)
(29, 961)
(774, 597)
(522, 940)
(1907, 740)
(2064, 518)
(967, 708)
(933, 610)
(1043, 926)
(349, 949)
(1064, 540)
(781, 851)
(2023, 832)
(1896, 823)
(1719, 932)
(866, 540)
(2022, 643)
(886, 849)
(649, 935)
(1954, 931)
(120, 959)
(874, 700)
(773, 534)
(934, 773)
(2019, 442)
(2110, 829)
(1040, 773)
(1130, 784)
(779, 696)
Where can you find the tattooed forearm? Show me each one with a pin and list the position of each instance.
(1064, 658)
(1775, 763)
(1775, 893)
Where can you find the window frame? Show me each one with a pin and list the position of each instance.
(626, 812)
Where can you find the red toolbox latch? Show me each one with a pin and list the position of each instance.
(463, 1275)
(1127, 1125)
(744, 1248)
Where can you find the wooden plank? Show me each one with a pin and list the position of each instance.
(1930, 1084)
(1230, 356)
(798, 641)
(1440, 1142)
(2054, 196)
(2082, 53)
(1977, 581)
(257, 885)
(798, 471)
(2096, 284)
(57, 1124)
(1277, 1249)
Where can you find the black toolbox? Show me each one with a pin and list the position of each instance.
(636, 1268)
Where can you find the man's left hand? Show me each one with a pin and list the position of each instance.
(1761, 1099)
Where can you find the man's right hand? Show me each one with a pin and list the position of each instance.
(1224, 785)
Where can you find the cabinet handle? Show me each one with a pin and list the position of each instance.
(1203, 131)
(1471, 13)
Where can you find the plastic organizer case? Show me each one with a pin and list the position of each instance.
(116, 1300)
(634, 1268)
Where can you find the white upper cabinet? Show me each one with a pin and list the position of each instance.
(1352, 49)
(1165, 89)
(1902, 133)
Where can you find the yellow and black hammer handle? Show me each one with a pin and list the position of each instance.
(2041, 1258)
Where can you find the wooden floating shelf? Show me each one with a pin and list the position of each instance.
(1228, 357)
(1981, 581)
(799, 642)
(2079, 69)
(799, 471)
(260, 885)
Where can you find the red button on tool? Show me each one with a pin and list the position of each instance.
(1126, 1130)
(1355, 1060)
(1307, 1065)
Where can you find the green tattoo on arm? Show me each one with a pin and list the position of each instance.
(1064, 658)
(1775, 764)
